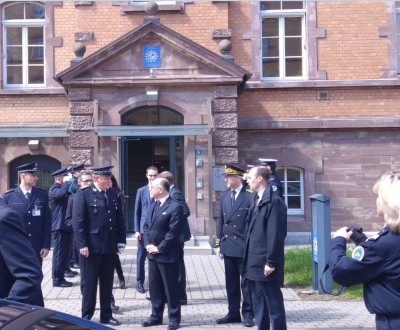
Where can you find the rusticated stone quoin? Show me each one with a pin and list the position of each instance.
(224, 105)
(226, 155)
(81, 139)
(79, 123)
(79, 94)
(225, 120)
(77, 156)
(81, 108)
(83, 36)
(225, 91)
(221, 33)
(225, 138)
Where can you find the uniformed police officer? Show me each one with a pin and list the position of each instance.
(32, 205)
(375, 262)
(270, 164)
(58, 199)
(234, 207)
(99, 230)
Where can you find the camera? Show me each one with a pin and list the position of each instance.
(358, 235)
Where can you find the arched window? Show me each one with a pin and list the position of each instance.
(292, 179)
(23, 36)
(152, 115)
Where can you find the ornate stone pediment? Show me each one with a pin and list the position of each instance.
(182, 61)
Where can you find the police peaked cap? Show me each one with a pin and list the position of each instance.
(267, 161)
(27, 168)
(230, 169)
(103, 170)
(78, 167)
(61, 172)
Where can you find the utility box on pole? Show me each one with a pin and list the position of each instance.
(320, 235)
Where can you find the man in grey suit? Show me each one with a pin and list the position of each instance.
(142, 203)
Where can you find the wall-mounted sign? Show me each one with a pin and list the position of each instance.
(199, 152)
(151, 57)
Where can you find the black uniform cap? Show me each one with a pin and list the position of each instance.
(27, 168)
(230, 169)
(267, 161)
(103, 170)
(61, 172)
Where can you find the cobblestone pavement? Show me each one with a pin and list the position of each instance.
(206, 301)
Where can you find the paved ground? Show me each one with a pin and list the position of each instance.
(207, 301)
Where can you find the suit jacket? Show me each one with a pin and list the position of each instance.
(20, 272)
(162, 229)
(266, 229)
(231, 223)
(98, 225)
(177, 196)
(142, 203)
(35, 215)
(58, 199)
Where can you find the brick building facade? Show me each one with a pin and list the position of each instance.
(191, 85)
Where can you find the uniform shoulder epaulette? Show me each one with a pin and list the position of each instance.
(375, 237)
(8, 191)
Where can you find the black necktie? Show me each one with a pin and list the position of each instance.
(28, 196)
(104, 194)
(256, 198)
(233, 193)
(158, 204)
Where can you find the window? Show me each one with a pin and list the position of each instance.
(397, 3)
(282, 39)
(23, 35)
(293, 188)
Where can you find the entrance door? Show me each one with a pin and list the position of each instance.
(138, 154)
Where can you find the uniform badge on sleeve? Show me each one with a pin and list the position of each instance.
(358, 253)
(274, 188)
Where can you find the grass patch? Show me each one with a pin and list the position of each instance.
(298, 273)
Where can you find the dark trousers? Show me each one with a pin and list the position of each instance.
(73, 252)
(236, 287)
(97, 268)
(182, 275)
(62, 241)
(140, 262)
(387, 322)
(38, 299)
(163, 281)
(118, 268)
(268, 305)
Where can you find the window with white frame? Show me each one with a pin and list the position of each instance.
(282, 39)
(293, 188)
(397, 4)
(23, 44)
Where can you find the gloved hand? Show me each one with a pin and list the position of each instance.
(67, 177)
(220, 256)
(121, 248)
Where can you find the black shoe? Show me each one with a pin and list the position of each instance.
(70, 274)
(74, 265)
(64, 284)
(69, 270)
(113, 306)
(148, 298)
(122, 284)
(110, 321)
(229, 319)
(140, 288)
(150, 323)
(183, 302)
(173, 327)
(249, 322)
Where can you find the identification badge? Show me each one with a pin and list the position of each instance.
(36, 212)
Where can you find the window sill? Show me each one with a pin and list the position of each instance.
(33, 91)
(296, 218)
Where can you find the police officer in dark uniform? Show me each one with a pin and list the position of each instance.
(32, 206)
(270, 164)
(58, 199)
(73, 172)
(99, 229)
(375, 262)
(233, 211)
(20, 272)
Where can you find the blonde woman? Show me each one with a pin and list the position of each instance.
(375, 262)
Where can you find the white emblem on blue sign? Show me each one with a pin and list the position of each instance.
(151, 57)
(358, 253)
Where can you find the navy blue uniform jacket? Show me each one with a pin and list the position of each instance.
(96, 223)
(177, 196)
(142, 203)
(35, 215)
(266, 230)
(379, 270)
(162, 229)
(20, 272)
(232, 222)
(58, 198)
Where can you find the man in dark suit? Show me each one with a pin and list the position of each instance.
(58, 199)
(20, 272)
(161, 236)
(263, 263)
(32, 206)
(185, 235)
(142, 203)
(233, 211)
(99, 229)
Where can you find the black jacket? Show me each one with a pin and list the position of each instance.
(177, 196)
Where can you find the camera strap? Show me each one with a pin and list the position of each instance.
(338, 292)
